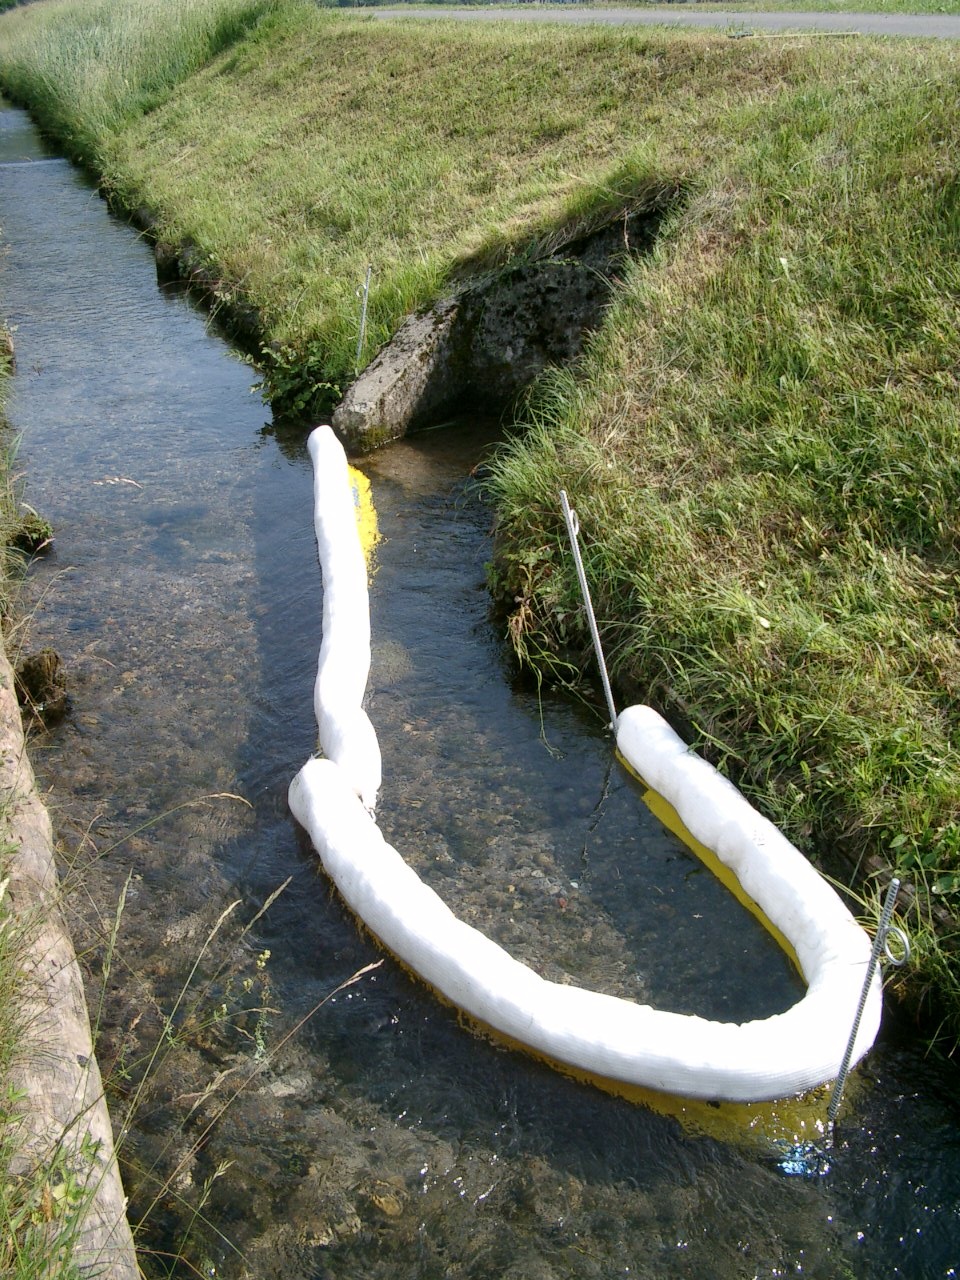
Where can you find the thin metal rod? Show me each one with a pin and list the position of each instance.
(879, 943)
(573, 529)
(363, 319)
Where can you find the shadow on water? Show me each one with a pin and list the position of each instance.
(383, 1139)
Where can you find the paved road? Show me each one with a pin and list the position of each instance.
(932, 25)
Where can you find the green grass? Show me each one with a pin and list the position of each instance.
(87, 77)
(763, 447)
(325, 143)
(762, 441)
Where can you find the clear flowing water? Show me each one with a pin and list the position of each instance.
(374, 1135)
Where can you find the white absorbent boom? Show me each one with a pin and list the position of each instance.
(333, 799)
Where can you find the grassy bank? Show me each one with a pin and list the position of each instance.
(763, 449)
(761, 442)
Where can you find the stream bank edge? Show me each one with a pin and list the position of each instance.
(63, 1111)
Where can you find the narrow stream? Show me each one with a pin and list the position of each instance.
(368, 1134)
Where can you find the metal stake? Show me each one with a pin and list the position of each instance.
(363, 319)
(879, 944)
(573, 529)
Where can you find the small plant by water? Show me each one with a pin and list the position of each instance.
(41, 1200)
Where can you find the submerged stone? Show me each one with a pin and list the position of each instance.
(42, 685)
